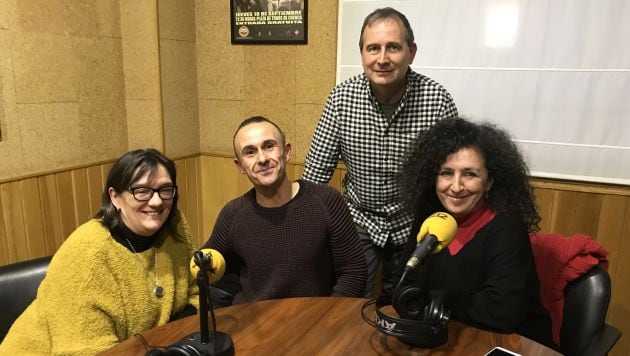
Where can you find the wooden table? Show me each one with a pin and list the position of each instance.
(325, 326)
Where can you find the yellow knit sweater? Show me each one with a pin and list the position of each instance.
(96, 293)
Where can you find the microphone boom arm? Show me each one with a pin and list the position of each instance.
(205, 303)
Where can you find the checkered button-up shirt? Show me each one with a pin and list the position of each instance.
(354, 129)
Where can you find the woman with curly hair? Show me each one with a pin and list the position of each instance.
(475, 173)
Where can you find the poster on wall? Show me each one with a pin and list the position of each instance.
(268, 21)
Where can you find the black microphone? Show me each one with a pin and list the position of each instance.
(206, 265)
(436, 232)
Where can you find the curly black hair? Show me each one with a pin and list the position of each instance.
(510, 192)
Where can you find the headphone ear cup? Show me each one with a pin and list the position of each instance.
(177, 349)
(431, 311)
(434, 311)
(408, 303)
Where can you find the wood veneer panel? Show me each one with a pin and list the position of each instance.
(598, 188)
(221, 183)
(182, 186)
(95, 188)
(65, 196)
(619, 315)
(201, 212)
(209, 210)
(294, 171)
(587, 213)
(53, 229)
(17, 247)
(192, 196)
(545, 199)
(563, 218)
(105, 167)
(342, 176)
(81, 195)
(4, 243)
(335, 180)
(241, 182)
(610, 231)
(33, 218)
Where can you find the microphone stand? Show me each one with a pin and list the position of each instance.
(213, 343)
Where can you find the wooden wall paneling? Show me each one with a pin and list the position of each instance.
(17, 247)
(190, 195)
(33, 219)
(221, 182)
(192, 191)
(294, 171)
(609, 234)
(202, 236)
(65, 195)
(49, 200)
(563, 217)
(96, 185)
(81, 196)
(242, 184)
(545, 199)
(209, 196)
(585, 187)
(105, 167)
(4, 242)
(587, 214)
(619, 315)
(337, 179)
(342, 175)
(236, 183)
(182, 187)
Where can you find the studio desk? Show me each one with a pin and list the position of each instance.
(320, 326)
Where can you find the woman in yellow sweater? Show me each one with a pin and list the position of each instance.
(121, 273)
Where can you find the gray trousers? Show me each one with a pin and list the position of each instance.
(384, 259)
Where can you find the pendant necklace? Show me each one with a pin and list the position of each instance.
(157, 290)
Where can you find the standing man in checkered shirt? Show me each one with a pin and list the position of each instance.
(368, 122)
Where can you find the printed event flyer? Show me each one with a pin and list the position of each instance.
(269, 21)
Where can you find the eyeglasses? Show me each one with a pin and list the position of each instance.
(146, 193)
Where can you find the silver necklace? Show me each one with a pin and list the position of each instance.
(157, 290)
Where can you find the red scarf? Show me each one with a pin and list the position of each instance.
(468, 226)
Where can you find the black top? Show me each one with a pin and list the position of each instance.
(140, 243)
(491, 282)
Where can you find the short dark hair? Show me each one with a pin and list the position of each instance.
(387, 13)
(253, 120)
(127, 170)
(510, 191)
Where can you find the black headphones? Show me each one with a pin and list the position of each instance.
(178, 349)
(417, 326)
